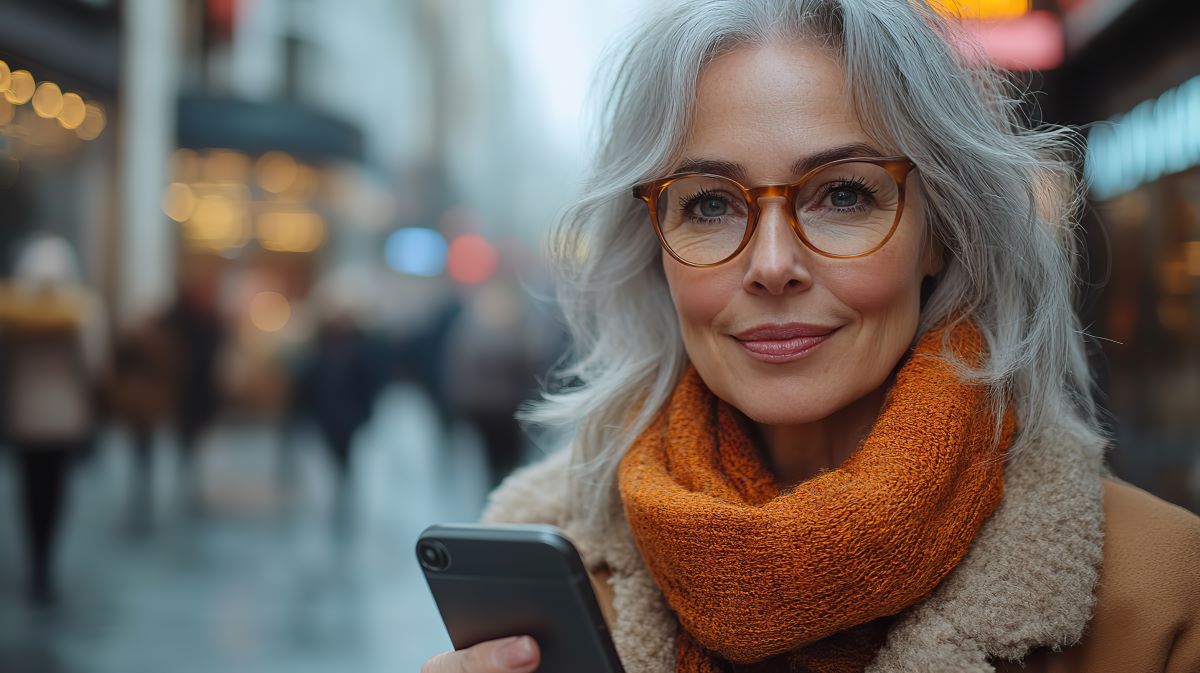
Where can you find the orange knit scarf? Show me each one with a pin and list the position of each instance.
(814, 572)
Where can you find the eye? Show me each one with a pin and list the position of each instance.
(843, 198)
(712, 206)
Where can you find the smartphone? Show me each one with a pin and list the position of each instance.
(495, 581)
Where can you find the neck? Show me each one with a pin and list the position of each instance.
(797, 452)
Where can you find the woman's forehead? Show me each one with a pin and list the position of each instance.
(770, 108)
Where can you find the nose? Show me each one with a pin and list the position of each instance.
(778, 260)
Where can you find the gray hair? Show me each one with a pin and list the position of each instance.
(1001, 198)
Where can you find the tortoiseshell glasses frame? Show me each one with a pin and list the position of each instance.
(898, 167)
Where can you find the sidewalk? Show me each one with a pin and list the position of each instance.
(258, 579)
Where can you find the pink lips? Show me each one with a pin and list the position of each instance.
(777, 343)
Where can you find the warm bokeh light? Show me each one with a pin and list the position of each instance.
(5, 75)
(73, 111)
(276, 171)
(47, 100)
(981, 9)
(270, 311)
(179, 202)
(290, 231)
(1034, 41)
(218, 223)
(225, 166)
(93, 122)
(416, 251)
(471, 259)
(20, 89)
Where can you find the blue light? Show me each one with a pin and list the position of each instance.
(1157, 137)
(416, 251)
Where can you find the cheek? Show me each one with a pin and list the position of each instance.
(699, 295)
(886, 282)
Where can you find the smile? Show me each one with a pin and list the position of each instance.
(777, 344)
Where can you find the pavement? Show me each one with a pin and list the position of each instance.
(250, 564)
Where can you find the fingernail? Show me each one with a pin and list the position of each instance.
(517, 653)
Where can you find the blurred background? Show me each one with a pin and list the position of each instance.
(273, 288)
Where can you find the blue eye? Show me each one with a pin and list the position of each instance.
(712, 206)
(843, 198)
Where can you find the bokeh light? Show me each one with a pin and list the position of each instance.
(179, 202)
(20, 89)
(290, 231)
(5, 75)
(416, 251)
(270, 311)
(471, 260)
(276, 171)
(47, 100)
(93, 122)
(73, 111)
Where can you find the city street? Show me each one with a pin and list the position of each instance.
(257, 572)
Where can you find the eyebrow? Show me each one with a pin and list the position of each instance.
(801, 166)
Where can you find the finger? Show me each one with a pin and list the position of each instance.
(510, 655)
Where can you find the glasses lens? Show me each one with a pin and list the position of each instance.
(848, 209)
(702, 218)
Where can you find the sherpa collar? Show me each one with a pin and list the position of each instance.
(1027, 582)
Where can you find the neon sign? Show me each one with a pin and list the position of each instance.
(1157, 137)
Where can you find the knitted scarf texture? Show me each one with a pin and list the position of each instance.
(805, 579)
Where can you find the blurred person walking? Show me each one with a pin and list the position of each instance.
(491, 356)
(51, 329)
(194, 329)
(139, 394)
(338, 386)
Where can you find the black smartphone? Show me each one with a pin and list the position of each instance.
(495, 581)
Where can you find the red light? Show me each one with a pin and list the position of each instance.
(1030, 42)
(471, 259)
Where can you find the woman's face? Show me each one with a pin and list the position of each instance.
(782, 333)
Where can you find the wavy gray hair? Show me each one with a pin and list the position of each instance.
(1001, 198)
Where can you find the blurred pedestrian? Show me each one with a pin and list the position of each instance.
(337, 388)
(196, 333)
(139, 394)
(50, 327)
(489, 370)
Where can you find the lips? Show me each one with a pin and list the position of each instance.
(777, 343)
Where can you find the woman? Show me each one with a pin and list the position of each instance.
(50, 344)
(839, 417)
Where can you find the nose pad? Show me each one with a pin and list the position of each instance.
(777, 254)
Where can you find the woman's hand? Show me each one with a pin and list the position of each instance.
(518, 654)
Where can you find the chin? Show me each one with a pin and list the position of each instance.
(768, 407)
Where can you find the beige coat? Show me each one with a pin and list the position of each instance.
(1074, 573)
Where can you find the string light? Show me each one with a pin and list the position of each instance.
(93, 122)
(20, 89)
(47, 100)
(73, 111)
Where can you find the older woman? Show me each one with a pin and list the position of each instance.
(838, 416)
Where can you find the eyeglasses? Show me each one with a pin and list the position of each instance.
(843, 209)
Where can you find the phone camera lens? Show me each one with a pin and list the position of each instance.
(433, 555)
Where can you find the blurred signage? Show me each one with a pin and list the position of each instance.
(1155, 138)
(981, 9)
(1031, 41)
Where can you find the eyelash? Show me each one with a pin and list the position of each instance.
(686, 203)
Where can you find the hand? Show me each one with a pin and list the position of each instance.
(518, 654)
